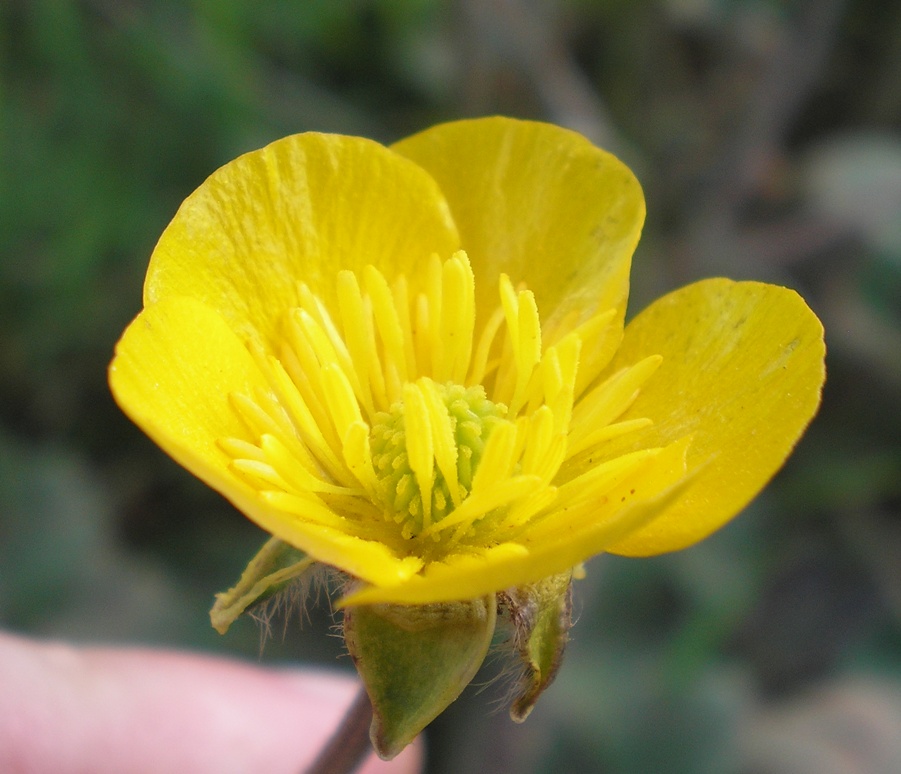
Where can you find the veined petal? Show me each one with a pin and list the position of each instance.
(303, 208)
(742, 372)
(539, 203)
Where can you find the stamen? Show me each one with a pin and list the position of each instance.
(396, 420)
(596, 480)
(419, 445)
(593, 438)
(598, 340)
(423, 345)
(457, 318)
(339, 396)
(480, 367)
(303, 368)
(539, 437)
(359, 333)
(609, 400)
(323, 347)
(256, 420)
(435, 299)
(401, 296)
(260, 475)
(484, 500)
(358, 456)
(236, 447)
(387, 321)
(442, 430)
(300, 415)
(306, 507)
(294, 471)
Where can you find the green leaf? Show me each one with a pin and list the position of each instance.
(273, 568)
(541, 614)
(415, 660)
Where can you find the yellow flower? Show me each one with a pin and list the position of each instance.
(410, 362)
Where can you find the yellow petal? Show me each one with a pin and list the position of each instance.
(741, 374)
(365, 559)
(457, 579)
(303, 208)
(539, 203)
(174, 369)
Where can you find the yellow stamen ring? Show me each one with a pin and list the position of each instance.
(397, 419)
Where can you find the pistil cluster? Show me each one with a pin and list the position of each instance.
(456, 419)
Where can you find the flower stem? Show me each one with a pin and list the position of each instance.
(348, 746)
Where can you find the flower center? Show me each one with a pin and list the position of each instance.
(456, 419)
(394, 421)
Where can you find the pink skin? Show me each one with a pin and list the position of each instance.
(74, 710)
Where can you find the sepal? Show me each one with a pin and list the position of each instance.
(274, 567)
(415, 660)
(541, 616)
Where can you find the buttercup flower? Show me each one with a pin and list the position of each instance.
(410, 364)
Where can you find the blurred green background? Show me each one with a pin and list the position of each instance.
(767, 136)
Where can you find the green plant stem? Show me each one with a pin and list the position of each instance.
(348, 746)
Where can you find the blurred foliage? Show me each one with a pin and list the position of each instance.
(767, 134)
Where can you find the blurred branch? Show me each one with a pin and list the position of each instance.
(746, 156)
(524, 35)
(781, 92)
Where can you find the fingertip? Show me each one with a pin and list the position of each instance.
(108, 710)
